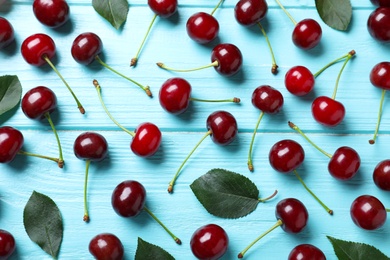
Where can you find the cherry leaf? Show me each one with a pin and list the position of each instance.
(335, 13)
(10, 92)
(346, 250)
(147, 251)
(43, 223)
(226, 194)
(114, 11)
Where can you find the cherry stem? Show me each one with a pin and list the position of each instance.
(86, 215)
(61, 158)
(250, 164)
(234, 100)
(177, 240)
(61, 165)
(372, 141)
(163, 66)
(315, 197)
(269, 197)
(387, 210)
(274, 68)
(146, 89)
(98, 90)
(134, 60)
(296, 128)
(276, 225)
(330, 64)
(286, 12)
(349, 56)
(216, 7)
(81, 108)
(172, 183)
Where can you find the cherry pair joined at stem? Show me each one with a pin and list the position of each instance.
(378, 24)
(52, 13)
(7, 244)
(7, 33)
(106, 246)
(368, 212)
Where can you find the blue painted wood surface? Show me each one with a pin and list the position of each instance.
(181, 212)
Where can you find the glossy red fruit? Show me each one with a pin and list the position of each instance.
(38, 101)
(306, 251)
(90, 146)
(11, 141)
(368, 212)
(307, 34)
(86, 47)
(327, 111)
(128, 198)
(286, 156)
(250, 12)
(174, 95)
(293, 214)
(299, 81)
(380, 75)
(223, 127)
(163, 8)
(229, 59)
(382, 3)
(7, 244)
(106, 246)
(147, 140)
(7, 34)
(378, 24)
(267, 99)
(344, 163)
(202, 27)
(381, 175)
(37, 46)
(52, 13)
(209, 242)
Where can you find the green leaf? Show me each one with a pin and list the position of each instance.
(226, 194)
(10, 92)
(346, 250)
(147, 251)
(43, 223)
(335, 13)
(114, 11)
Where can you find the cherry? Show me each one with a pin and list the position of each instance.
(39, 49)
(106, 246)
(226, 59)
(175, 96)
(209, 242)
(128, 200)
(368, 212)
(270, 101)
(52, 13)
(162, 8)
(146, 137)
(378, 24)
(89, 146)
(86, 48)
(7, 34)
(382, 3)
(381, 175)
(222, 128)
(292, 217)
(7, 244)
(306, 251)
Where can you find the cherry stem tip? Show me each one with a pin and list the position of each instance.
(372, 141)
(250, 167)
(170, 188)
(240, 255)
(274, 69)
(178, 241)
(86, 218)
(133, 62)
(61, 163)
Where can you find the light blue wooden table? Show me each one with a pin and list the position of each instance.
(181, 211)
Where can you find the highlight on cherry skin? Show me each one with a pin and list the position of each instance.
(106, 246)
(306, 251)
(52, 13)
(378, 24)
(7, 244)
(368, 212)
(7, 33)
(381, 175)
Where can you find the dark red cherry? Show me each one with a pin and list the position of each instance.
(11, 141)
(306, 252)
(381, 175)
(202, 27)
(90, 146)
(174, 95)
(86, 47)
(223, 127)
(327, 111)
(147, 140)
(286, 155)
(163, 8)
(209, 242)
(7, 34)
(37, 46)
(380, 75)
(250, 12)
(267, 99)
(7, 244)
(382, 3)
(38, 101)
(307, 34)
(299, 80)
(128, 198)
(293, 214)
(344, 163)
(106, 246)
(52, 13)
(229, 59)
(368, 212)
(378, 24)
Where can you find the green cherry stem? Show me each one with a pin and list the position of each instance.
(233, 100)
(250, 164)
(163, 66)
(372, 141)
(80, 107)
(216, 7)
(86, 215)
(286, 12)
(146, 89)
(349, 56)
(269, 197)
(134, 60)
(61, 158)
(330, 64)
(312, 193)
(274, 68)
(387, 210)
(61, 165)
(177, 240)
(172, 182)
(276, 225)
(98, 90)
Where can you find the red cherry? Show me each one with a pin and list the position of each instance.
(128, 198)
(299, 80)
(229, 59)
(37, 46)
(344, 163)
(11, 141)
(307, 34)
(163, 8)
(174, 95)
(38, 101)
(202, 27)
(209, 242)
(147, 140)
(368, 212)
(90, 146)
(250, 12)
(223, 127)
(380, 75)
(106, 246)
(268, 99)
(7, 244)
(7, 34)
(381, 175)
(86, 47)
(306, 251)
(52, 13)
(286, 156)
(378, 24)
(327, 111)
(382, 3)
